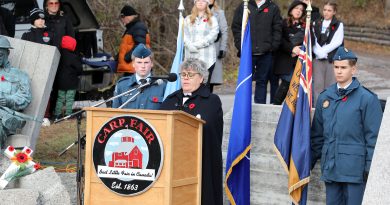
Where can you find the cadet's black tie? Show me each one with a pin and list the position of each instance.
(143, 81)
(342, 91)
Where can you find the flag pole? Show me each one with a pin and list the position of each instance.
(309, 9)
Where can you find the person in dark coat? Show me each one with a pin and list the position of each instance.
(38, 32)
(344, 132)
(195, 98)
(67, 76)
(293, 31)
(7, 22)
(266, 33)
(57, 22)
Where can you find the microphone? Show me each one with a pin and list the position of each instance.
(150, 83)
(171, 77)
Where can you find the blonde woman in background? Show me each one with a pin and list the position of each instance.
(220, 44)
(200, 32)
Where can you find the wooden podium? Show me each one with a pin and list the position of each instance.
(180, 179)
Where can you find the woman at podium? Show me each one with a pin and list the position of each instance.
(195, 98)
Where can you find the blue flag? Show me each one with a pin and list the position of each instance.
(173, 86)
(292, 136)
(237, 181)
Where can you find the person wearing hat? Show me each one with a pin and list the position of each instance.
(344, 132)
(38, 32)
(150, 97)
(293, 31)
(15, 94)
(70, 67)
(136, 33)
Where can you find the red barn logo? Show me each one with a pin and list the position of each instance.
(127, 155)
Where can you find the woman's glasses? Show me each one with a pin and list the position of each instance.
(189, 75)
(53, 3)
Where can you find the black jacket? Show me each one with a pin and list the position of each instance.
(266, 27)
(38, 35)
(69, 69)
(209, 107)
(60, 25)
(7, 22)
(292, 36)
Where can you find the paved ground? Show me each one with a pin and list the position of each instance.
(374, 73)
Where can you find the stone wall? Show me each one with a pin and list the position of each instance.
(268, 178)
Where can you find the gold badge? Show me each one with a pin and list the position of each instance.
(325, 104)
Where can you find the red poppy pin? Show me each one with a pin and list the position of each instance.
(155, 99)
(37, 166)
(191, 106)
(344, 99)
(45, 34)
(2, 78)
(266, 10)
(205, 20)
(333, 28)
(11, 148)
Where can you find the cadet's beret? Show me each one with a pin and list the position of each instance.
(344, 54)
(141, 51)
(128, 11)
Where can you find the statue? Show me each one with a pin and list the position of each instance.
(15, 94)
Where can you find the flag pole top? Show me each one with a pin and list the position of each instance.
(181, 6)
(309, 8)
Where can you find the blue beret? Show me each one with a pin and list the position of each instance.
(344, 54)
(141, 51)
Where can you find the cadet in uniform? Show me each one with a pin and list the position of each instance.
(151, 97)
(15, 94)
(344, 132)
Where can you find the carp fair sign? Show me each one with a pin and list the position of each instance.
(128, 155)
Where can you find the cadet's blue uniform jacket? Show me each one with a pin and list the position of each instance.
(344, 132)
(151, 97)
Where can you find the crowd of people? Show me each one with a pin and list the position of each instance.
(276, 44)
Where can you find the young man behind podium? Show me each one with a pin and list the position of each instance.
(150, 96)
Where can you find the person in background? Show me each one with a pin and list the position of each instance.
(136, 33)
(38, 32)
(195, 98)
(293, 32)
(266, 33)
(7, 22)
(200, 32)
(328, 36)
(150, 97)
(220, 44)
(15, 94)
(59, 24)
(344, 132)
(69, 69)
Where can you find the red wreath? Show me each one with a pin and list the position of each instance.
(344, 99)
(191, 106)
(21, 157)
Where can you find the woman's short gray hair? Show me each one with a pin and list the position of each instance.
(196, 65)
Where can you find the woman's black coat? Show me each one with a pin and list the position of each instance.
(284, 64)
(209, 107)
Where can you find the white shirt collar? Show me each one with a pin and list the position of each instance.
(338, 86)
(138, 78)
